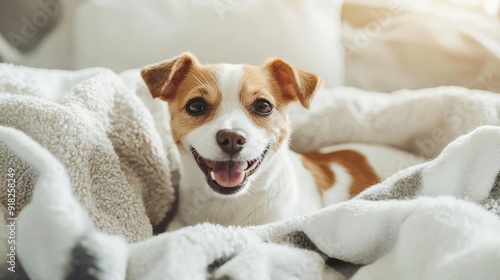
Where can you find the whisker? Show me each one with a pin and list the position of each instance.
(199, 82)
(202, 76)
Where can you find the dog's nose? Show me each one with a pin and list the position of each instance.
(230, 141)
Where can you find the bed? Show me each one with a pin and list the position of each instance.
(96, 169)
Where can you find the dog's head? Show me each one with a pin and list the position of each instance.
(229, 118)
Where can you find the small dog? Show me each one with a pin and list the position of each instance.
(231, 126)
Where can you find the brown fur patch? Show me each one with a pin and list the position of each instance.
(257, 84)
(294, 84)
(177, 81)
(163, 78)
(322, 174)
(363, 175)
(200, 81)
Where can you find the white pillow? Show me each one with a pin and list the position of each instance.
(128, 34)
(422, 46)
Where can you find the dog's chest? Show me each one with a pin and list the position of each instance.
(242, 212)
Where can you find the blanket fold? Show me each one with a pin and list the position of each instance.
(103, 135)
(96, 169)
(423, 121)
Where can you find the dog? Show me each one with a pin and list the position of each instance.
(230, 124)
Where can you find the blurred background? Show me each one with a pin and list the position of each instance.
(380, 45)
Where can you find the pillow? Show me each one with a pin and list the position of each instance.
(37, 33)
(129, 34)
(418, 46)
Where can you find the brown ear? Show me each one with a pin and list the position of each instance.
(294, 83)
(163, 78)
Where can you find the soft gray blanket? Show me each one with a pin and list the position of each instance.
(95, 168)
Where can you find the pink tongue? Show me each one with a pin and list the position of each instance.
(229, 173)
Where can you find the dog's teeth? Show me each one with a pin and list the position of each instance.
(212, 175)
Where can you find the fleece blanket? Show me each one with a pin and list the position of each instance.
(89, 173)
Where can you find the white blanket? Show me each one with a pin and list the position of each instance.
(104, 136)
(94, 173)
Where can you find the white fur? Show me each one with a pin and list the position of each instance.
(230, 115)
(281, 187)
(340, 192)
(269, 196)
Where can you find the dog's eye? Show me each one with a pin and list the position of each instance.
(196, 106)
(262, 107)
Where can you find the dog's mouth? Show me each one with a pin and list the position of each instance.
(227, 177)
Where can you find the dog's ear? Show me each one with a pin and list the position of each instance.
(294, 83)
(163, 78)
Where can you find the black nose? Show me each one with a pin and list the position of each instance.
(230, 141)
